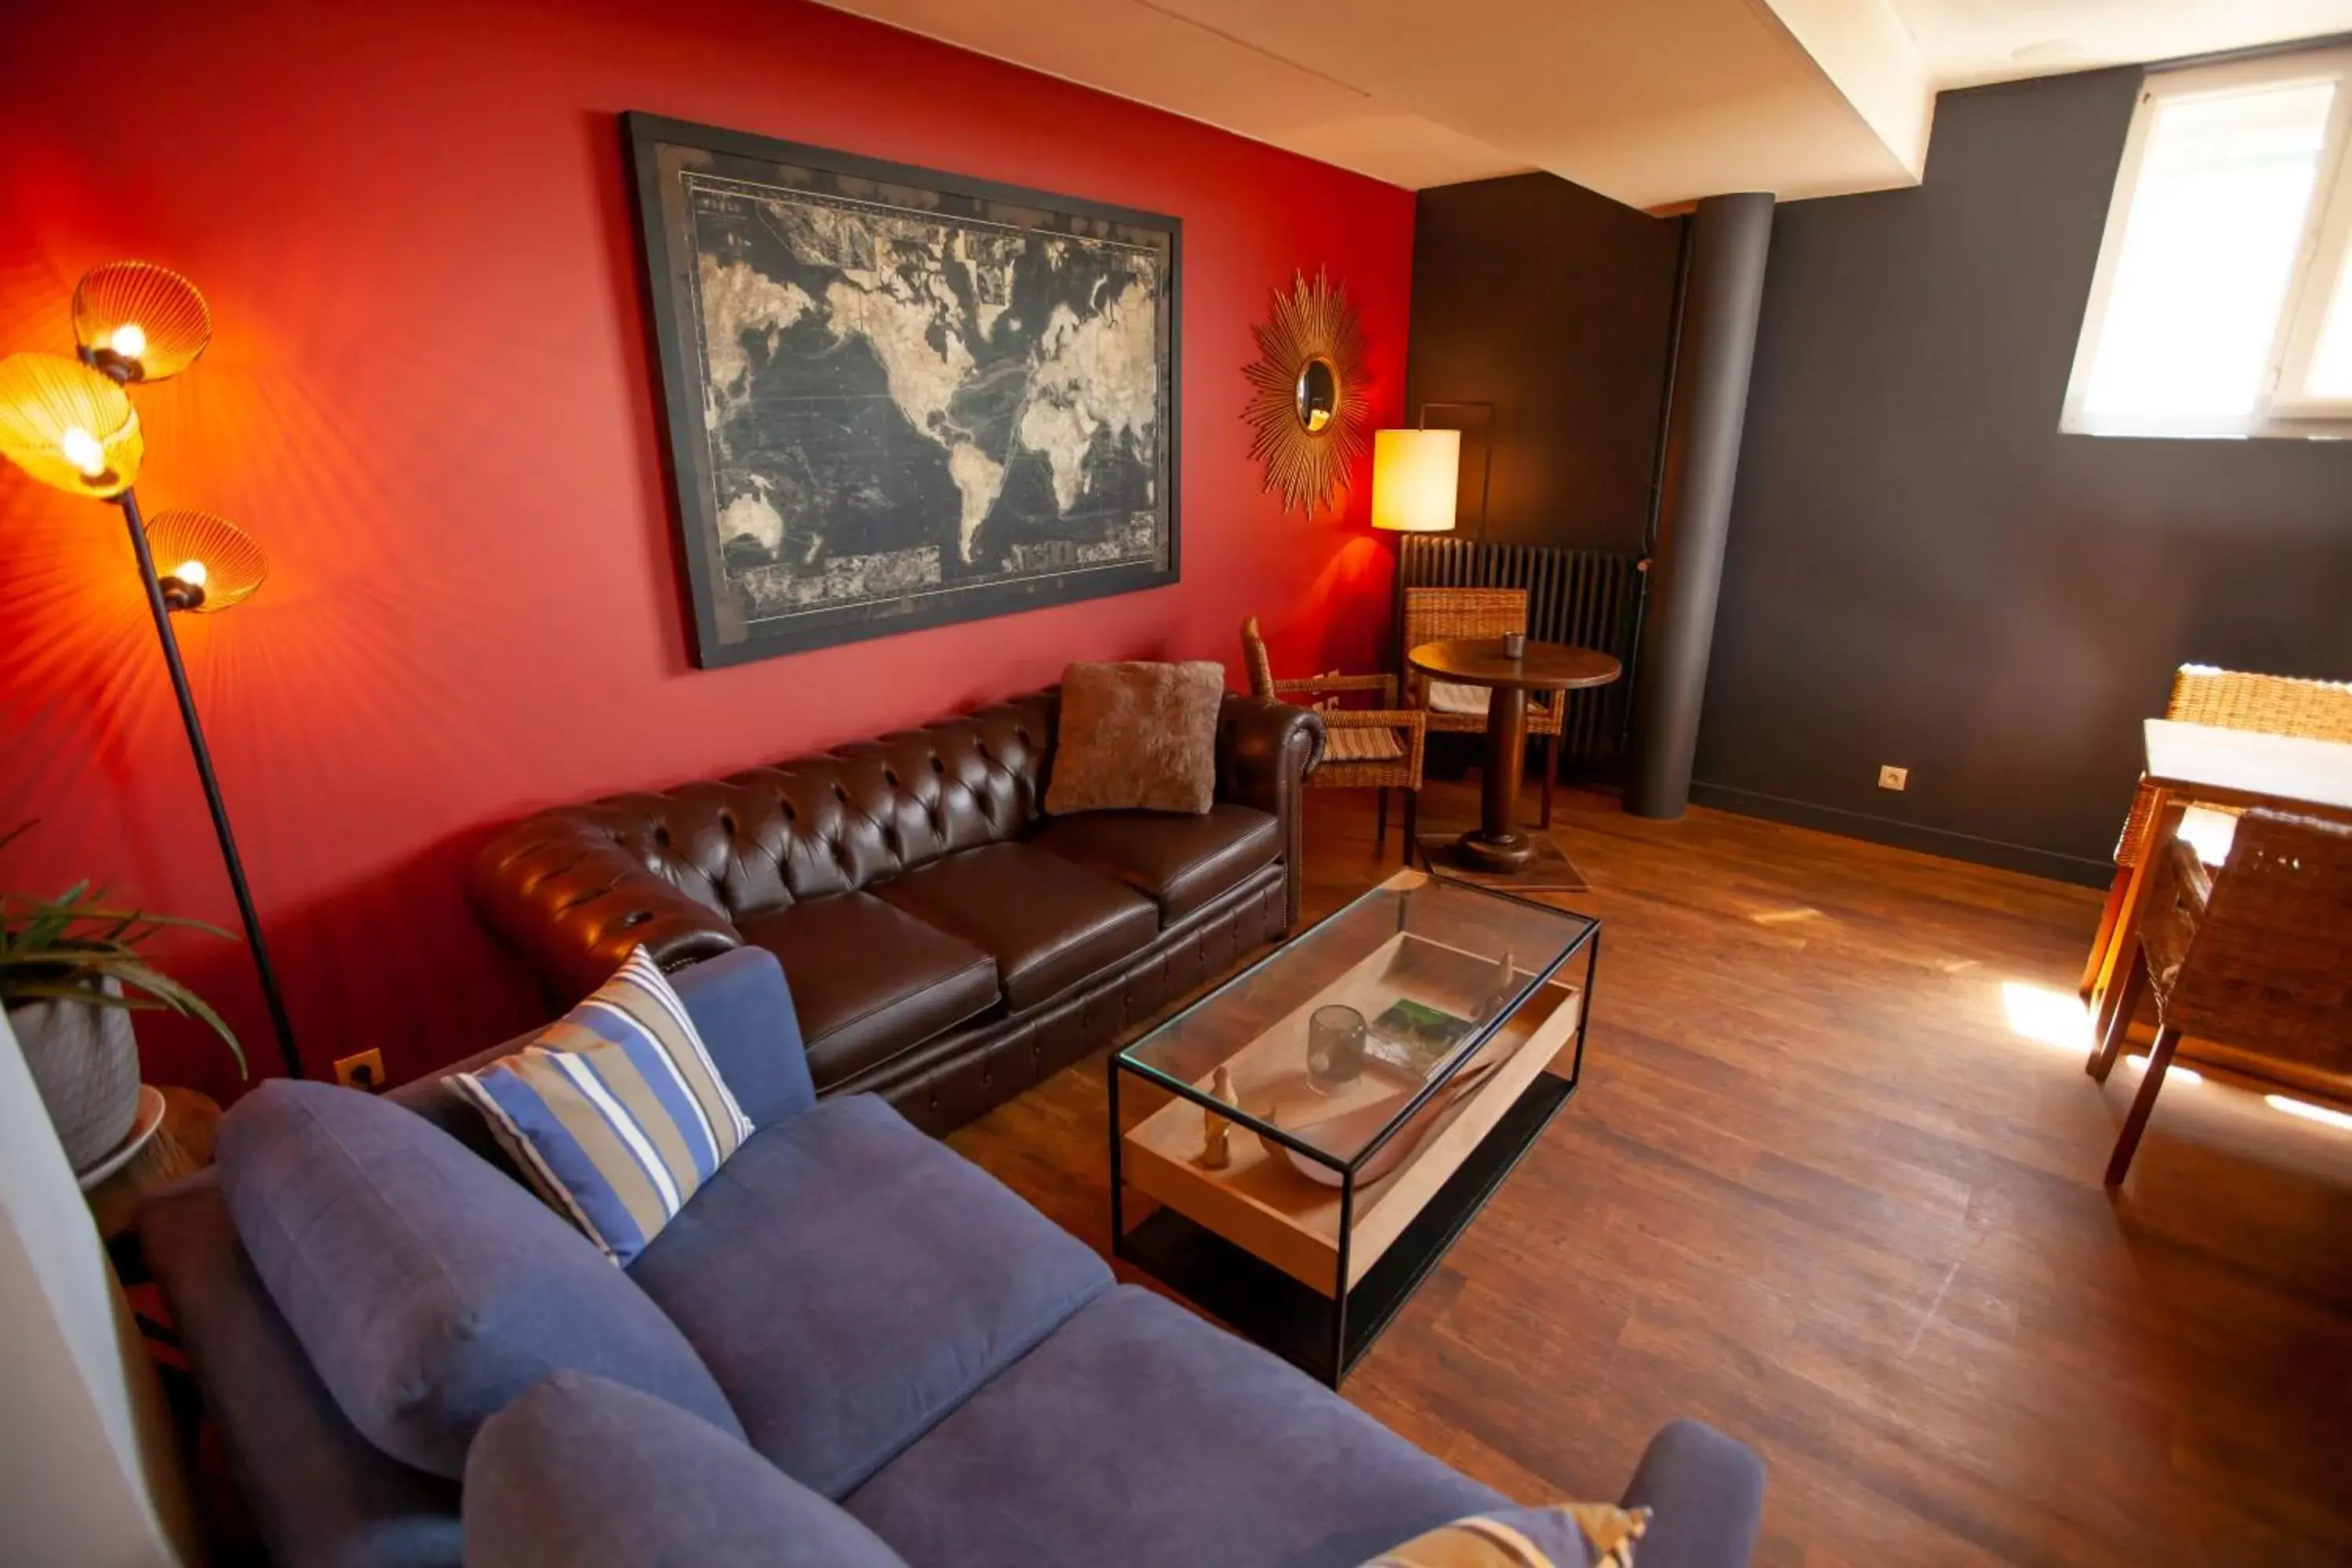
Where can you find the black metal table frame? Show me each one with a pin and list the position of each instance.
(1324, 1335)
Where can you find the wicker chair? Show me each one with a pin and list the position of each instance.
(2256, 955)
(1432, 614)
(2228, 700)
(1363, 748)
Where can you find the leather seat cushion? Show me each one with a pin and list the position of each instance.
(1140, 1435)
(1049, 923)
(870, 980)
(1177, 862)
(849, 1281)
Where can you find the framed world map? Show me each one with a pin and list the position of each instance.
(898, 398)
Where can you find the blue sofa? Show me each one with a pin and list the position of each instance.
(920, 1353)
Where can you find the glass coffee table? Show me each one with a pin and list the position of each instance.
(1305, 1142)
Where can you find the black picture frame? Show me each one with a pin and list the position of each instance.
(723, 634)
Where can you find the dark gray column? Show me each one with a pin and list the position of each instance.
(1729, 236)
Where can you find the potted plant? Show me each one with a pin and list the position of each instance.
(71, 976)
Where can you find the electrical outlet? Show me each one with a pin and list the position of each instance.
(364, 1070)
(1893, 778)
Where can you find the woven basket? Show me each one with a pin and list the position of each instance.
(2235, 699)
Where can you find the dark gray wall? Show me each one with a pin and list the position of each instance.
(1554, 304)
(1922, 571)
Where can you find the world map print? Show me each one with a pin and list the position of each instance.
(903, 403)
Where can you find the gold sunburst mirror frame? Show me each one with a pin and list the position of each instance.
(1310, 408)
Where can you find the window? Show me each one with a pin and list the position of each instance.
(2223, 303)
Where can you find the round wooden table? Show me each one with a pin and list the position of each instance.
(1495, 844)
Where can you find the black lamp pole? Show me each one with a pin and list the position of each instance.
(161, 607)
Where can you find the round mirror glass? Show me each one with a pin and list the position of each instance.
(1318, 395)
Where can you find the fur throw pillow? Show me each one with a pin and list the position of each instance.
(1137, 737)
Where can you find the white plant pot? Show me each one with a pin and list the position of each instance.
(85, 1061)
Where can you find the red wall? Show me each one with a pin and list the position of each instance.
(429, 396)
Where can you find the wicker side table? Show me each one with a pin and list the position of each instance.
(181, 1145)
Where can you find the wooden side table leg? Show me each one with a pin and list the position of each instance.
(1497, 845)
(1551, 766)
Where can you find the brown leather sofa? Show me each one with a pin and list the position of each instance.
(948, 943)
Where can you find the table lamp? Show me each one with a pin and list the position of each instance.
(1414, 478)
(70, 424)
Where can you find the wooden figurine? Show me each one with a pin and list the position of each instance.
(1506, 985)
(1216, 1145)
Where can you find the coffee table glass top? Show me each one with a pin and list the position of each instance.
(1336, 1039)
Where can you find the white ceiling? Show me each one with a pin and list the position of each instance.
(1971, 41)
(1654, 102)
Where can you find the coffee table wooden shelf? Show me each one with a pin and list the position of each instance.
(1314, 1268)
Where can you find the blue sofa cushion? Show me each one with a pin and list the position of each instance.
(744, 1012)
(615, 1114)
(849, 1281)
(428, 1289)
(581, 1470)
(1142, 1436)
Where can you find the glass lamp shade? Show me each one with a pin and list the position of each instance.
(68, 426)
(205, 562)
(1413, 475)
(139, 321)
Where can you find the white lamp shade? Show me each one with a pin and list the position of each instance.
(1413, 475)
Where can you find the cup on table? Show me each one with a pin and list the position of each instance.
(1335, 1048)
(1515, 644)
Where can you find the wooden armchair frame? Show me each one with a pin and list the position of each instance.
(2256, 955)
(2227, 699)
(1397, 763)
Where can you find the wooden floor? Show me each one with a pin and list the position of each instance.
(1831, 1183)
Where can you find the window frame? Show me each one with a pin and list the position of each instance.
(2284, 408)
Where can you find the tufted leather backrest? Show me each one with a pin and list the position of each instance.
(576, 887)
(759, 840)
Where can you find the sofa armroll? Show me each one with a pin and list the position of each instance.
(1266, 749)
(575, 903)
(320, 1496)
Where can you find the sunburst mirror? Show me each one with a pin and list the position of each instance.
(1309, 408)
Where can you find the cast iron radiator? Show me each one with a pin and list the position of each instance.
(1586, 597)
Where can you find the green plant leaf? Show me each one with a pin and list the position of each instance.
(94, 913)
(171, 994)
(101, 960)
(178, 997)
(46, 926)
(61, 948)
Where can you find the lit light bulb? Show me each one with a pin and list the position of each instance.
(192, 573)
(82, 451)
(130, 339)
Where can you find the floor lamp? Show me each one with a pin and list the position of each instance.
(70, 424)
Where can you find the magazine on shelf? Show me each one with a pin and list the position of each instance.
(1415, 1038)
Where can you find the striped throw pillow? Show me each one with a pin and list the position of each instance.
(1565, 1535)
(615, 1114)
